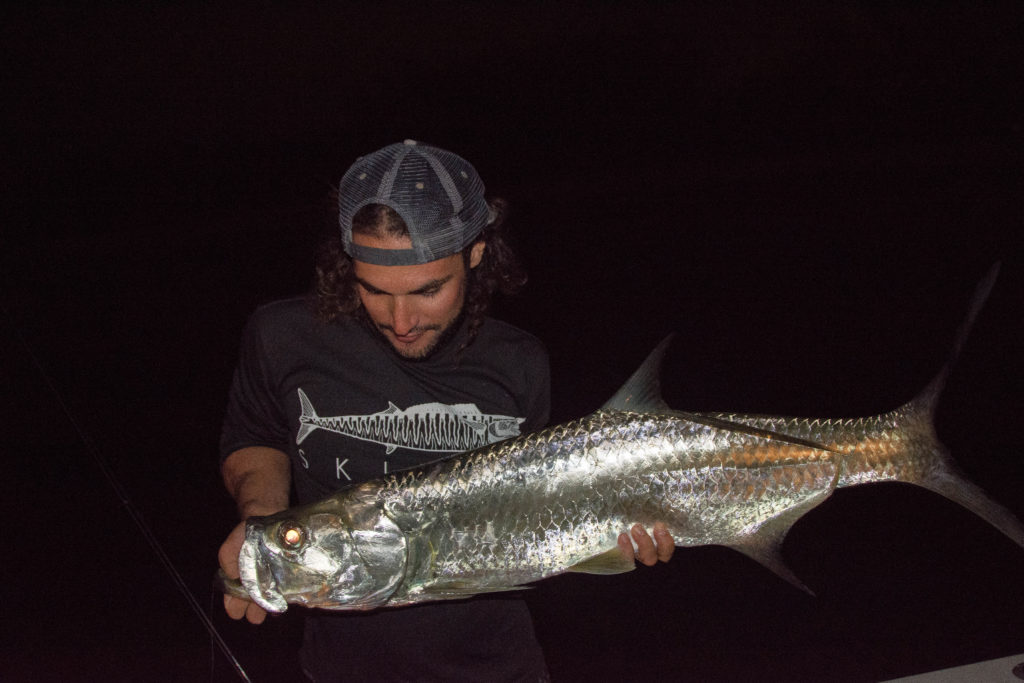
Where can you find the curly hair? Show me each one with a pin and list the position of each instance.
(499, 271)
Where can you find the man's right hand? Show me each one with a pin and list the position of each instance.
(228, 558)
(258, 478)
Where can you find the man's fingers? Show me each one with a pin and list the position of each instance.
(239, 607)
(228, 558)
(664, 542)
(625, 547)
(235, 607)
(255, 614)
(645, 550)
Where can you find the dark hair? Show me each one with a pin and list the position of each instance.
(498, 271)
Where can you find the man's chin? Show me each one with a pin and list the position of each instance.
(430, 342)
(418, 350)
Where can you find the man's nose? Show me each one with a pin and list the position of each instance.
(403, 316)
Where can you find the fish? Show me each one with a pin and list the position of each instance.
(425, 427)
(509, 514)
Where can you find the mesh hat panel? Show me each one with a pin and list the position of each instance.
(437, 193)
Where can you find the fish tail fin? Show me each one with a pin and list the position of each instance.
(306, 424)
(925, 402)
(942, 475)
(946, 480)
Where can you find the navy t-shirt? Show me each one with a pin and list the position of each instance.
(346, 408)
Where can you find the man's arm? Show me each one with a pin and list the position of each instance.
(259, 479)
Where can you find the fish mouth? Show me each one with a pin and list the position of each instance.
(255, 571)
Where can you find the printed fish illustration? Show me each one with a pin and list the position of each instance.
(555, 501)
(434, 427)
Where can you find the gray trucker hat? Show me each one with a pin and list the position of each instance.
(438, 194)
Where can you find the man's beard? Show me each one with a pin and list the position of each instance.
(444, 337)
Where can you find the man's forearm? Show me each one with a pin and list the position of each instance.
(259, 479)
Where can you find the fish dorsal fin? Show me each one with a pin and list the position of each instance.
(642, 391)
(608, 562)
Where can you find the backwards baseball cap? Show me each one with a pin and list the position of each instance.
(438, 194)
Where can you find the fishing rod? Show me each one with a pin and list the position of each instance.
(127, 503)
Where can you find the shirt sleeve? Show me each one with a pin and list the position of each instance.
(254, 415)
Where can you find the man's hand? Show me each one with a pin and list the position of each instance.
(648, 551)
(258, 478)
(228, 558)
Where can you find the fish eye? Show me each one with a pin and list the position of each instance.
(291, 536)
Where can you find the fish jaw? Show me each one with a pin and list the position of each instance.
(255, 572)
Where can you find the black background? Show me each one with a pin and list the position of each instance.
(806, 194)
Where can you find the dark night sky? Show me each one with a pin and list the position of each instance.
(806, 194)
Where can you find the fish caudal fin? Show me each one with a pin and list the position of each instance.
(942, 475)
(308, 415)
(926, 400)
(947, 482)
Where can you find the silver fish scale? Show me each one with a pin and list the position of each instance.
(894, 446)
(532, 507)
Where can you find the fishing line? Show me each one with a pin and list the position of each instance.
(126, 502)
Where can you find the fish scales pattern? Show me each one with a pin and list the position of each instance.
(573, 488)
(890, 447)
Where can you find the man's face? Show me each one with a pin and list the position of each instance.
(413, 306)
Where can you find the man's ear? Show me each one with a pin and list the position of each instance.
(476, 254)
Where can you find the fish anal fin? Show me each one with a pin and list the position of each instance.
(764, 543)
(608, 562)
(770, 556)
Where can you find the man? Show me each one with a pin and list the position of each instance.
(391, 366)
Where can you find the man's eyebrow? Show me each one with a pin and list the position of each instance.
(423, 289)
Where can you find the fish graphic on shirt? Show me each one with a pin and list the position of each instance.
(436, 427)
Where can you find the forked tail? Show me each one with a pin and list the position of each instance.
(942, 475)
(307, 423)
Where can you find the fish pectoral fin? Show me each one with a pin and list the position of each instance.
(609, 562)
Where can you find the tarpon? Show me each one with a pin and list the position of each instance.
(435, 427)
(555, 501)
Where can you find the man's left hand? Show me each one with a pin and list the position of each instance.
(648, 550)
